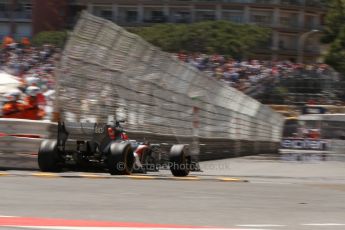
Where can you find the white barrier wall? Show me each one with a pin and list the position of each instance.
(19, 136)
(11, 126)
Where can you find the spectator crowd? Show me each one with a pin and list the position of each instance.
(33, 68)
(253, 77)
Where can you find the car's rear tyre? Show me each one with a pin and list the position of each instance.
(49, 159)
(120, 158)
(179, 161)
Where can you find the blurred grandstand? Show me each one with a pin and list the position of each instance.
(281, 83)
(274, 83)
(306, 84)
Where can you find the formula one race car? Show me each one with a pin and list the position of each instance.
(105, 145)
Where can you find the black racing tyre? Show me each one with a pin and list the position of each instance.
(120, 158)
(179, 161)
(49, 159)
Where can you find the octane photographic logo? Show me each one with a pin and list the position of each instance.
(191, 167)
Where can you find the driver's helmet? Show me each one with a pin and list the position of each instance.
(33, 91)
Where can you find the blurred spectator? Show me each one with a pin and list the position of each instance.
(32, 109)
(26, 42)
(7, 41)
(34, 66)
(12, 107)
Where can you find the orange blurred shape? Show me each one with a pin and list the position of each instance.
(26, 41)
(7, 40)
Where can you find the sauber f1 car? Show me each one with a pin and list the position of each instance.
(108, 146)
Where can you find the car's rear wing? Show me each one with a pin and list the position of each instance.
(81, 131)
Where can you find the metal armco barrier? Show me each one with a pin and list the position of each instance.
(210, 148)
(23, 150)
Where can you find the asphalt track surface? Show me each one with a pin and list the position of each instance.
(290, 191)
